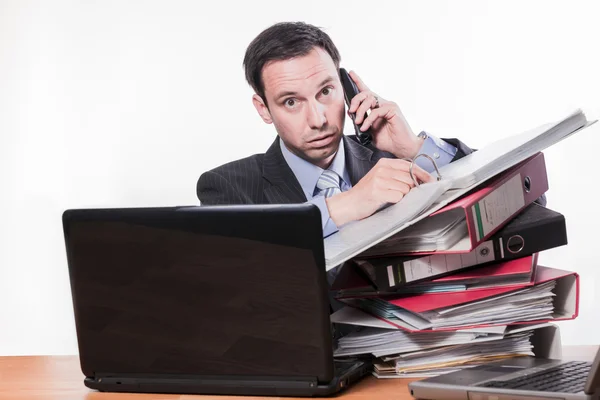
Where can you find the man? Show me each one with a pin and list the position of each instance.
(294, 71)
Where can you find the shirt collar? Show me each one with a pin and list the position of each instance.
(308, 174)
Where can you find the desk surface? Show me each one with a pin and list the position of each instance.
(59, 377)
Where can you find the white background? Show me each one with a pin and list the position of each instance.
(126, 103)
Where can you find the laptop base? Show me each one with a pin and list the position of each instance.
(473, 383)
(258, 386)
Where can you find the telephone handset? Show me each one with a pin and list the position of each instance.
(351, 90)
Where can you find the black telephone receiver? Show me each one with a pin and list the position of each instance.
(351, 90)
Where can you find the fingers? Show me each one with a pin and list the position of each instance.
(368, 103)
(421, 174)
(388, 182)
(394, 191)
(397, 183)
(392, 196)
(357, 100)
(394, 163)
(389, 189)
(361, 103)
(375, 114)
(401, 169)
(359, 83)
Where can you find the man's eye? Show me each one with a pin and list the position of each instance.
(290, 102)
(325, 91)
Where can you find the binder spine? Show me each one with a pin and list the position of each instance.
(390, 276)
(534, 239)
(513, 194)
(396, 273)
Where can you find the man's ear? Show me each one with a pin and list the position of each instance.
(262, 109)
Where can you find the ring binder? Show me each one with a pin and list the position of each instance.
(412, 162)
(460, 178)
(515, 244)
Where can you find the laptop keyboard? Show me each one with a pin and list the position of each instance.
(565, 378)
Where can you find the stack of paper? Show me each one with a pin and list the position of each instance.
(383, 342)
(422, 317)
(518, 344)
(529, 304)
(431, 234)
(427, 354)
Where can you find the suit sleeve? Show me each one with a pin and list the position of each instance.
(214, 189)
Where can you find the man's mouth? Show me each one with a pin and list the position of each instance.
(322, 141)
(322, 137)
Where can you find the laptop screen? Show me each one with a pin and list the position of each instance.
(218, 291)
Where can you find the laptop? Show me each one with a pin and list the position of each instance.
(522, 378)
(204, 300)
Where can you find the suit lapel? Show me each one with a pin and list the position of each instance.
(359, 160)
(284, 187)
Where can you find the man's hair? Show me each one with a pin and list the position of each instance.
(283, 41)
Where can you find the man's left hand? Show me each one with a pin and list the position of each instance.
(389, 130)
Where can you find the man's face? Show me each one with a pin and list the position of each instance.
(306, 104)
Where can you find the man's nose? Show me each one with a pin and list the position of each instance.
(316, 115)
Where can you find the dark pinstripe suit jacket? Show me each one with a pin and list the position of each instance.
(267, 178)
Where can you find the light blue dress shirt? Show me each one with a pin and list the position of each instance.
(308, 174)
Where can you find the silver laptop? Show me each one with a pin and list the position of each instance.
(525, 378)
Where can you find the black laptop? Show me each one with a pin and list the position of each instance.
(204, 300)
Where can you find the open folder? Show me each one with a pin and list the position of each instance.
(520, 272)
(391, 344)
(456, 179)
(514, 273)
(480, 214)
(554, 296)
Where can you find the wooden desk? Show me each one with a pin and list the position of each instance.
(59, 378)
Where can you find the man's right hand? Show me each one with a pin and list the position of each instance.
(387, 182)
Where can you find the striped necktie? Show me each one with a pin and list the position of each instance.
(328, 183)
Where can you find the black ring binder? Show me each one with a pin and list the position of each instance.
(515, 244)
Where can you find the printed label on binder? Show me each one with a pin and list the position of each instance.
(425, 267)
(498, 206)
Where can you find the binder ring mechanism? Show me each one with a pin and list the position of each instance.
(412, 162)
